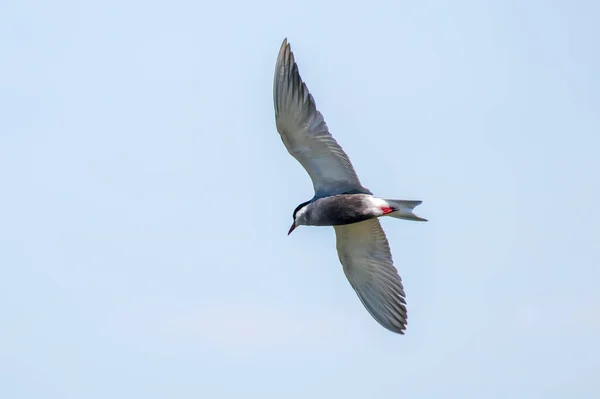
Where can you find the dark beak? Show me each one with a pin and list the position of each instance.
(292, 228)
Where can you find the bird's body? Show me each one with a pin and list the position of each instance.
(342, 209)
(338, 210)
(340, 200)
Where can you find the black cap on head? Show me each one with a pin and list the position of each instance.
(298, 208)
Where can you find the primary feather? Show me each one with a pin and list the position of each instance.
(305, 134)
(365, 254)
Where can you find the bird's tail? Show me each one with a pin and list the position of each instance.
(404, 209)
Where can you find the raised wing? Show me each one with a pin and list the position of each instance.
(305, 133)
(364, 252)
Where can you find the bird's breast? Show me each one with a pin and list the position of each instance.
(341, 209)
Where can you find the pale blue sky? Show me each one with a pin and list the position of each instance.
(146, 197)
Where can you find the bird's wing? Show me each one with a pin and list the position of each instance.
(305, 133)
(364, 252)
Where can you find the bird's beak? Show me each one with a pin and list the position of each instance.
(292, 228)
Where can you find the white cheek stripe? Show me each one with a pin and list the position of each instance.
(301, 211)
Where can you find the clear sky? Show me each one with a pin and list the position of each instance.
(146, 197)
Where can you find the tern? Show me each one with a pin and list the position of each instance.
(340, 200)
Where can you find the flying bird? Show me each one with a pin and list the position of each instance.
(340, 200)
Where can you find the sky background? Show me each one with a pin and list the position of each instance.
(146, 196)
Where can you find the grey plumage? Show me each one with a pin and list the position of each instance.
(341, 209)
(340, 200)
(305, 133)
(365, 253)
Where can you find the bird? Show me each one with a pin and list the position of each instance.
(340, 200)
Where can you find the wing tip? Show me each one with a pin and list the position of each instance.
(397, 326)
(400, 331)
(287, 78)
(285, 53)
(285, 62)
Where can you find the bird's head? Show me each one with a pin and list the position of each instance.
(299, 216)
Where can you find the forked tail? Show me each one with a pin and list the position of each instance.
(404, 209)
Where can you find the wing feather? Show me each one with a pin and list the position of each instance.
(305, 134)
(365, 254)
